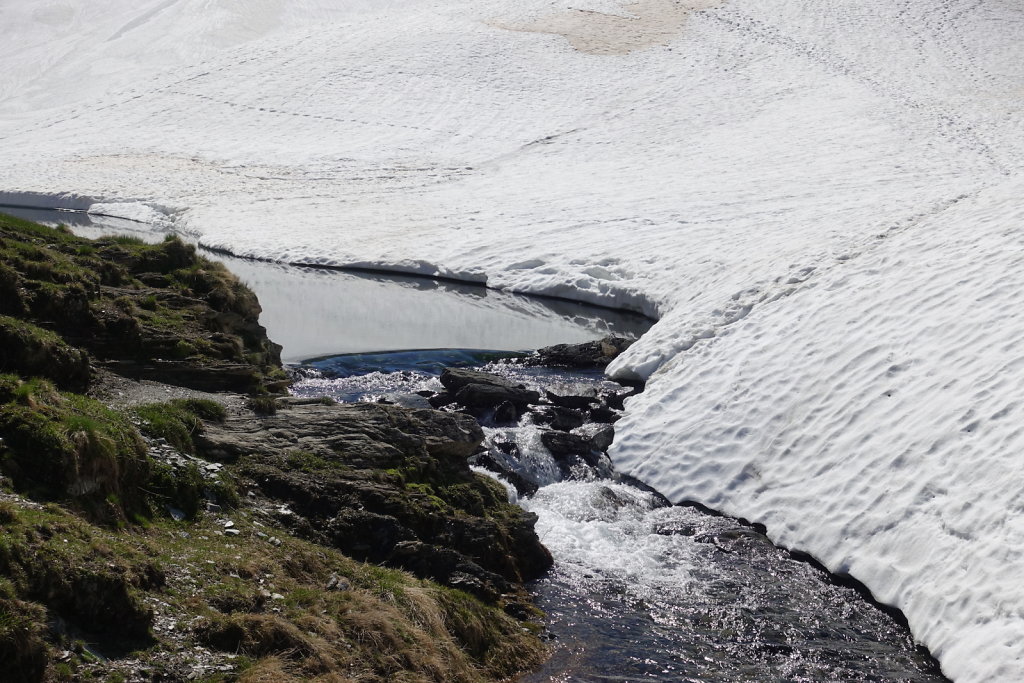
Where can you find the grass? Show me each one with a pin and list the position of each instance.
(178, 420)
(118, 297)
(64, 446)
(262, 405)
(84, 544)
(264, 610)
(29, 350)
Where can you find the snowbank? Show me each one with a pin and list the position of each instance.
(820, 202)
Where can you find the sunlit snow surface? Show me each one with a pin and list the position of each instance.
(822, 202)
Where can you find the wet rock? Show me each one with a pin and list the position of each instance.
(482, 391)
(506, 413)
(735, 539)
(604, 415)
(454, 379)
(507, 447)
(441, 399)
(573, 402)
(414, 401)
(479, 397)
(594, 354)
(499, 465)
(616, 400)
(556, 417)
(599, 436)
(564, 444)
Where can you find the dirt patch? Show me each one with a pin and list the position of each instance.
(647, 23)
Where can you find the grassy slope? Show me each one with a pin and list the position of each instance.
(90, 562)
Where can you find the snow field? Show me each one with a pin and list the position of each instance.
(819, 200)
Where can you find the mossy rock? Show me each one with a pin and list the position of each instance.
(31, 351)
(67, 447)
(153, 311)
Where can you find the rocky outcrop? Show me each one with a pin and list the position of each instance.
(258, 561)
(153, 311)
(388, 485)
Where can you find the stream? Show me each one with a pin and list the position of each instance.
(641, 590)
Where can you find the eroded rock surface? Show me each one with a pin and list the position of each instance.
(388, 485)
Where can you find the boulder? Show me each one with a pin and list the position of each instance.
(593, 354)
(506, 413)
(603, 414)
(497, 463)
(573, 402)
(480, 397)
(564, 444)
(454, 379)
(599, 436)
(562, 419)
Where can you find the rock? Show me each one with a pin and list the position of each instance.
(450, 568)
(367, 536)
(479, 397)
(594, 354)
(573, 402)
(366, 478)
(616, 400)
(497, 463)
(482, 391)
(508, 447)
(441, 399)
(563, 419)
(454, 379)
(600, 436)
(414, 401)
(570, 449)
(506, 413)
(369, 435)
(562, 444)
(603, 414)
(338, 583)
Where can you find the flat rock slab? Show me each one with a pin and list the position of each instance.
(361, 435)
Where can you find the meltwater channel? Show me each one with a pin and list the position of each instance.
(641, 590)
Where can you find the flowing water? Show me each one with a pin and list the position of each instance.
(641, 590)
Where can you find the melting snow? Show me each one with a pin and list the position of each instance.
(822, 203)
